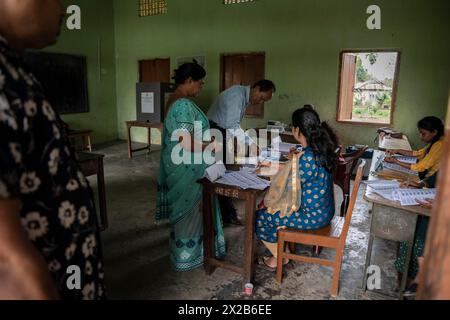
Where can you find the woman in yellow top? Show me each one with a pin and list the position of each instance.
(431, 130)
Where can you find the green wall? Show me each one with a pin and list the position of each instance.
(302, 40)
(97, 24)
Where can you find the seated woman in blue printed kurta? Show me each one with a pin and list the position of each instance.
(315, 166)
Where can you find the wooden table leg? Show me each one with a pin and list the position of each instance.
(208, 231)
(149, 140)
(249, 249)
(89, 144)
(102, 195)
(130, 152)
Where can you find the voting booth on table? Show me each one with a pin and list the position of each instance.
(151, 98)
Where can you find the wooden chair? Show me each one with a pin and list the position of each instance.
(333, 236)
(343, 174)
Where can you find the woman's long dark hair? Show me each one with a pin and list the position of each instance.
(431, 124)
(319, 135)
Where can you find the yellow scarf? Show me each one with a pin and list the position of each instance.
(285, 193)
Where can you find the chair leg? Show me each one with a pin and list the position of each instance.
(336, 273)
(280, 256)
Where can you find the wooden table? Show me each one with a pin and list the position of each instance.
(92, 164)
(391, 221)
(141, 124)
(249, 195)
(85, 138)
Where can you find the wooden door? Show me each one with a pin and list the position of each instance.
(243, 69)
(435, 274)
(154, 70)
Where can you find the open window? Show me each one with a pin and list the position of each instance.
(368, 86)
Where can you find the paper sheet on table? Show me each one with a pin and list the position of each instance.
(398, 168)
(409, 197)
(244, 180)
(388, 194)
(389, 143)
(406, 197)
(215, 171)
(405, 159)
(383, 184)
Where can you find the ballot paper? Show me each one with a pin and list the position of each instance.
(406, 197)
(409, 197)
(215, 171)
(398, 168)
(383, 184)
(388, 194)
(244, 180)
(405, 159)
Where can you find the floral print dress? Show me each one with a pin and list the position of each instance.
(38, 167)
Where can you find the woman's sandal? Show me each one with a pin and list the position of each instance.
(262, 261)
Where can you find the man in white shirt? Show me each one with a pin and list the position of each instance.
(226, 115)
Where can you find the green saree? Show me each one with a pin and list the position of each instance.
(179, 194)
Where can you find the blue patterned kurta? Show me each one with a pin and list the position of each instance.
(317, 208)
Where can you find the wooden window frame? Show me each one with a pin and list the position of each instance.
(394, 87)
(148, 8)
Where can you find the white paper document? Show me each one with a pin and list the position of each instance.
(388, 194)
(215, 171)
(406, 197)
(405, 159)
(398, 168)
(244, 180)
(389, 143)
(148, 102)
(409, 197)
(382, 184)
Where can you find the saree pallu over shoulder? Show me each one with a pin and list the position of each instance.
(285, 193)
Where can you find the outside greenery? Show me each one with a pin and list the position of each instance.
(372, 98)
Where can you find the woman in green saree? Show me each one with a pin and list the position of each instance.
(179, 195)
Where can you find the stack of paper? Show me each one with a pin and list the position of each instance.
(244, 180)
(215, 171)
(398, 168)
(388, 194)
(405, 159)
(383, 184)
(406, 197)
(409, 197)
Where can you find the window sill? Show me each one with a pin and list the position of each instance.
(364, 123)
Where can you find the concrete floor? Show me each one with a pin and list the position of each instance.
(136, 248)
